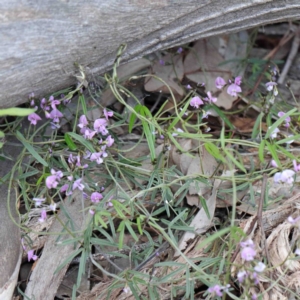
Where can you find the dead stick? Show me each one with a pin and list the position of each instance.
(259, 213)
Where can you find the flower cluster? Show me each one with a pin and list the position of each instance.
(197, 101)
(287, 119)
(233, 86)
(286, 176)
(50, 109)
(217, 290)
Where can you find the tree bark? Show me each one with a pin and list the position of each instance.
(41, 40)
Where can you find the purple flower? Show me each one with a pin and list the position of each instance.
(297, 251)
(238, 80)
(109, 141)
(59, 174)
(55, 114)
(296, 167)
(71, 159)
(38, 201)
(259, 267)
(51, 182)
(33, 118)
(31, 96)
(216, 290)
(196, 102)
(179, 50)
(92, 212)
(107, 114)
(273, 134)
(100, 126)
(52, 206)
(220, 82)
(274, 164)
(64, 188)
(31, 255)
(284, 176)
(32, 103)
(89, 134)
(97, 157)
(188, 87)
(241, 276)
(248, 253)
(78, 185)
(161, 62)
(281, 114)
(233, 89)
(44, 105)
(96, 197)
(43, 216)
(83, 123)
(210, 98)
(270, 85)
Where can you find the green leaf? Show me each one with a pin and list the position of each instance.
(214, 151)
(121, 229)
(236, 162)
(99, 220)
(16, 111)
(204, 205)
(279, 121)
(83, 104)
(69, 142)
(82, 141)
(213, 237)
(2, 134)
(273, 150)
(31, 149)
(139, 224)
(261, 150)
(131, 231)
(133, 117)
(256, 126)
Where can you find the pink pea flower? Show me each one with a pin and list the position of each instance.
(109, 141)
(273, 134)
(248, 253)
(270, 85)
(287, 176)
(210, 98)
(52, 206)
(97, 157)
(55, 114)
(107, 114)
(238, 80)
(296, 167)
(43, 216)
(293, 221)
(31, 255)
(188, 87)
(241, 276)
(51, 182)
(96, 197)
(274, 164)
(161, 62)
(179, 50)
(83, 123)
(216, 290)
(259, 268)
(100, 126)
(92, 212)
(233, 89)
(38, 201)
(33, 118)
(196, 102)
(281, 114)
(89, 134)
(78, 185)
(220, 82)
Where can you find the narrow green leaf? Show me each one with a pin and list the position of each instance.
(31, 149)
(279, 121)
(204, 205)
(2, 134)
(16, 111)
(131, 231)
(121, 229)
(82, 141)
(214, 151)
(256, 126)
(213, 237)
(133, 117)
(261, 149)
(236, 162)
(69, 142)
(139, 225)
(83, 104)
(273, 151)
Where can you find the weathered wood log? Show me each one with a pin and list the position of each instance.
(41, 40)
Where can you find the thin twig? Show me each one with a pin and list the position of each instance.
(292, 54)
(259, 214)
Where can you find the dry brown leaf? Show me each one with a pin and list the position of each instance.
(244, 124)
(171, 72)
